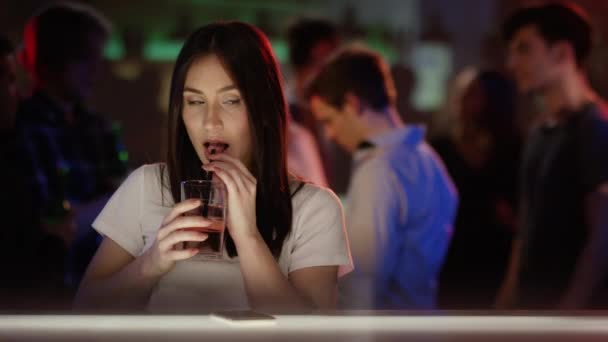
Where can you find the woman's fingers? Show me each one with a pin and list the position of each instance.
(180, 223)
(231, 184)
(236, 163)
(235, 175)
(181, 208)
(181, 236)
(183, 254)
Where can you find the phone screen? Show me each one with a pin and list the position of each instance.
(247, 317)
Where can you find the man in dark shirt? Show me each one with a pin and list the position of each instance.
(75, 153)
(17, 223)
(31, 253)
(560, 259)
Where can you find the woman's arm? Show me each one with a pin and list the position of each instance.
(267, 288)
(114, 280)
(117, 280)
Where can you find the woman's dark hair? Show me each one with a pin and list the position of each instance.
(246, 55)
(498, 115)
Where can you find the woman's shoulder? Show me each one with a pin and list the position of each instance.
(312, 197)
(146, 180)
(149, 172)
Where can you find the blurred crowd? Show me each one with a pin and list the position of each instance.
(505, 208)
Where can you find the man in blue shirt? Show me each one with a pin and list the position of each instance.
(401, 202)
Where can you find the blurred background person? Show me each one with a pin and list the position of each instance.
(311, 42)
(447, 116)
(303, 156)
(560, 259)
(9, 96)
(33, 251)
(405, 83)
(482, 157)
(18, 215)
(401, 201)
(73, 151)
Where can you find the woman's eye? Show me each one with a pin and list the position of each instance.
(232, 102)
(194, 102)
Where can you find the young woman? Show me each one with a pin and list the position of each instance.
(286, 243)
(482, 156)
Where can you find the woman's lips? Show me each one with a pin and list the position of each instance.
(212, 148)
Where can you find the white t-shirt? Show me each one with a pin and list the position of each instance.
(135, 212)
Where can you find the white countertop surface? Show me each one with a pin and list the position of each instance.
(360, 327)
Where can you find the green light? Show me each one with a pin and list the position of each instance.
(114, 49)
(274, 5)
(383, 49)
(123, 156)
(167, 50)
(162, 50)
(281, 50)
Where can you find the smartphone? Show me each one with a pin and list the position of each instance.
(244, 318)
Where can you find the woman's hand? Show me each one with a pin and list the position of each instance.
(161, 257)
(241, 186)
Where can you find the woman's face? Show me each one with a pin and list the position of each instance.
(473, 101)
(214, 112)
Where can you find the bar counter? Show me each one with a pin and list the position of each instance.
(338, 326)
